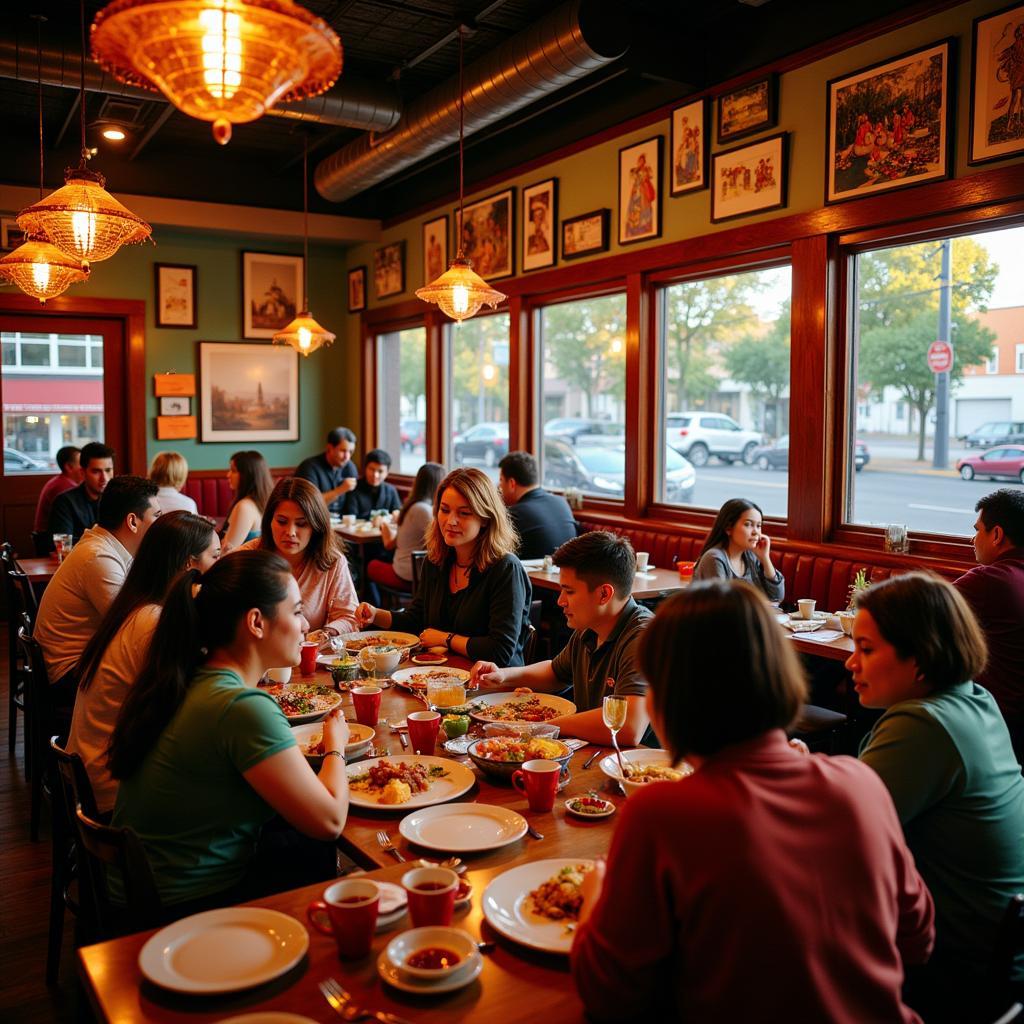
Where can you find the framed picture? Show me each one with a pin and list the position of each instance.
(11, 236)
(750, 109)
(585, 234)
(689, 148)
(890, 125)
(540, 215)
(435, 248)
(997, 85)
(488, 230)
(271, 292)
(357, 290)
(389, 270)
(175, 294)
(175, 405)
(640, 191)
(248, 392)
(749, 178)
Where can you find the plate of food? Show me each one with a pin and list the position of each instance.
(500, 756)
(310, 739)
(416, 679)
(355, 642)
(590, 807)
(643, 766)
(525, 707)
(407, 781)
(537, 904)
(304, 702)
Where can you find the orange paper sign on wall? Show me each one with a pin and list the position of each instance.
(179, 384)
(171, 428)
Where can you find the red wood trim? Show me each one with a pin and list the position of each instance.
(993, 217)
(520, 390)
(368, 375)
(640, 409)
(438, 430)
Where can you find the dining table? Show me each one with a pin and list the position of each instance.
(647, 586)
(39, 570)
(357, 536)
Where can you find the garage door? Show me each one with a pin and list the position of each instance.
(971, 413)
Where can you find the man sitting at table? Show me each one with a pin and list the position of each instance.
(332, 472)
(70, 476)
(372, 491)
(544, 520)
(76, 509)
(595, 592)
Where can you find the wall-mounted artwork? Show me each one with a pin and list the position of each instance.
(488, 231)
(689, 148)
(997, 85)
(357, 290)
(11, 236)
(749, 178)
(175, 294)
(750, 109)
(540, 216)
(271, 292)
(389, 270)
(640, 191)
(435, 248)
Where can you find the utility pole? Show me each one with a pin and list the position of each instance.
(940, 449)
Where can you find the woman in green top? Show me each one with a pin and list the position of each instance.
(203, 757)
(944, 752)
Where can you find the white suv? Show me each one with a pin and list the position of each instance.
(699, 435)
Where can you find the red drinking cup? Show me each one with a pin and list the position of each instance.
(348, 911)
(423, 728)
(686, 569)
(307, 657)
(538, 779)
(431, 893)
(366, 701)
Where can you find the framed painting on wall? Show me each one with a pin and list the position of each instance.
(749, 178)
(389, 270)
(357, 290)
(997, 85)
(688, 148)
(750, 109)
(540, 215)
(640, 191)
(248, 393)
(271, 292)
(175, 294)
(11, 236)
(435, 248)
(585, 234)
(488, 232)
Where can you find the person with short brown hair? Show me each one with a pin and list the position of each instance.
(169, 471)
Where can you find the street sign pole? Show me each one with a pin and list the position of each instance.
(940, 450)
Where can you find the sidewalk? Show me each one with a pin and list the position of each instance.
(881, 465)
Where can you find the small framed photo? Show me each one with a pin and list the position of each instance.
(175, 405)
(749, 178)
(357, 290)
(175, 294)
(750, 109)
(435, 248)
(689, 148)
(540, 215)
(11, 236)
(640, 191)
(389, 270)
(488, 233)
(585, 234)
(890, 125)
(997, 85)
(271, 292)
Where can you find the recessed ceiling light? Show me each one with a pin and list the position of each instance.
(114, 134)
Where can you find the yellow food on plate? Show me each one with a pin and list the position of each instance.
(395, 792)
(653, 773)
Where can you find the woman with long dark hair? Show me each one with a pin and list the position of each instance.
(113, 658)
(250, 480)
(204, 758)
(737, 549)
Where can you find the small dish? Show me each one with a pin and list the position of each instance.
(429, 659)
(417, 940)
(606, 811)
(393, 904)
(389, 973)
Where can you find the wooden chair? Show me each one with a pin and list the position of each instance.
(15, 675)
(530, 645)
(37, 717)
(417, 567)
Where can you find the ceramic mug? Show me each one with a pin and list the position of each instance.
(538, 779)
(806, 606)
(348, 911)
(423, 729)
(366, 701)
(431, 893)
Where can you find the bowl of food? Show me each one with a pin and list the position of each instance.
(642, 767)
(432, 954)
(499, 756)
(385, 658)
(310, 739)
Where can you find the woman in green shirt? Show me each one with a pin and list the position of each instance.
(944, 752)
(203, 757)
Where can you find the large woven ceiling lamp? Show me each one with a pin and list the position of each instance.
(83, 219)
(460, 292)
(38, 268)
(304, 334)
(225, 61)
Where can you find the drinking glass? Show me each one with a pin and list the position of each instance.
(613, 713)
(368, 663)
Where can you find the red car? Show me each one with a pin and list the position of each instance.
(1005, 462)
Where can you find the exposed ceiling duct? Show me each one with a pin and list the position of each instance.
(573, 41)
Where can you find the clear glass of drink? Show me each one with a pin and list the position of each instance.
(613, 714)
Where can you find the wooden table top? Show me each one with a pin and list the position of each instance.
(39, 570)
(350, 533)
(835, 650)
(654, 584)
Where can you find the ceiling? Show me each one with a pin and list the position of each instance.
(675, 47)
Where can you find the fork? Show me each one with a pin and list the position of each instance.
(384, 841)
(340, 1001)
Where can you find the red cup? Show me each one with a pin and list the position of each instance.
(307, 657)
(431, 893)
(348, 911)
(423, 728)
(686, 569)
(366, 701)
(539, 781)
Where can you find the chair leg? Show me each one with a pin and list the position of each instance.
(55, 935)
(37, 802)
(12, 712)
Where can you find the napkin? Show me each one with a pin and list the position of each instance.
(822, 636)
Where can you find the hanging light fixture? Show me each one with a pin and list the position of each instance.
(83, 219)
(225, 61)
(460, 292)
(304, 334)
(38, 268)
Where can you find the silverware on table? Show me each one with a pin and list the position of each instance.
(340, 1001)
(404, 740)
(593, 757)
(384, 841)
(533, 832)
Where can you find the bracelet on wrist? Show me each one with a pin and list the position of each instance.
(448, 640)
(340, 754)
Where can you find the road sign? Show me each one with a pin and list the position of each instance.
(940, 356)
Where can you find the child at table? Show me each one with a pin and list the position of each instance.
(736, 549)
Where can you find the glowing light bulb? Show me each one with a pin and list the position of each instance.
(305, 338)
(83, 226)
(460, 298)
(41, 275)
(113, 134)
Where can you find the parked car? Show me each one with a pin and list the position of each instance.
(562, 468)
(571, 429)
(606, 465)
(1003, 463)
(988, 435)
(776, 456)
(486, 441)
(19, 462)
(861, 456)
(413, 434)
(699, 435)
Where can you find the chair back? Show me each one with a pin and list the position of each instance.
(1009, 943)
(417, 568)
(530, 645)
(37, 683)
(21, 596)
(12, 600)
(75, 783)
(42, 541)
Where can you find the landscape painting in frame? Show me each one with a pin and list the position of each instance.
(751, 108)
(488, 234)
(640, 191)
(890, 125)
(750, 178)
(175, 295)
(689, 148)
(997, 85)
(540, 215)
(271, 292)
(435, 248)
(248, 393)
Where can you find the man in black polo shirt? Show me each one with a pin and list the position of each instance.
(372, 492)
(332, 472)
(595, 584)
(75, 511)
(544, 520)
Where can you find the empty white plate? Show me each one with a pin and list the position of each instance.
(463, 828)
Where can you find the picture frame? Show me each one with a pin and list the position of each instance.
(389, 270)
(995, 132)
(357, 289)
(689, 148)
(751, 178)
(176, 405)
(748, 109)
(890, 126)
(248, 392)
(539, 225)
(271, 292)
(586, 234)
(11, 236)
(488, 234)
(435, 248)
(176, 292)
(640, 191)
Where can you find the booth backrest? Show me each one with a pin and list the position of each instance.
(212, 494)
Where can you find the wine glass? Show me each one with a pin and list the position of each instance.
(368, 663)
(613, 713)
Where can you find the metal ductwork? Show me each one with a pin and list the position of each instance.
(569, 44)
(351, 103)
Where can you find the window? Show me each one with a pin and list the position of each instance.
(582, 359)
(402, 398)
(894, 472)
(724, 345)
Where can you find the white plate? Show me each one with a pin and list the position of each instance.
(382, 637)
(507, 909)
(223, 950)
(643, 756)
(459, 780)
(360, 738)
(597, 816)
(403, 677)
(268, 1017)
(393, 905)
(803, 625)
(463, 828)
(312, 716)
(391, 975)
(560, 704)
